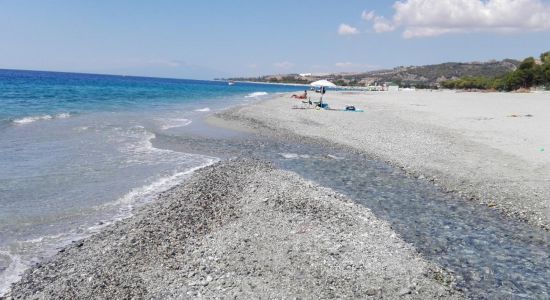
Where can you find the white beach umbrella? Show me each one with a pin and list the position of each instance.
(323, 82)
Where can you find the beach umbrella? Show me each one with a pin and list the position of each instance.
(323, 82)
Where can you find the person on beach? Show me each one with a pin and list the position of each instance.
(302, 96)
(322, 90)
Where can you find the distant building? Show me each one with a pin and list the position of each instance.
(392, 87)
(305, 74)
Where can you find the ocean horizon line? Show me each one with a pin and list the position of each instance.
(107, 74)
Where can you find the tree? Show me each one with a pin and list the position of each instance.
(341, 82)
(527, 63)
(545, 68)
(514, 80)
(528, 74)
(499, 84)
(545, 71)
(538, 75)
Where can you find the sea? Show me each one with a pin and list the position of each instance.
(76, 152)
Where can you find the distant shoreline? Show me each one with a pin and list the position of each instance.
(267, 83)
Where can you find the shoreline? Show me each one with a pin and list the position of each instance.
(244, 187)
(39, 222)
(241, 228)
(486, 148)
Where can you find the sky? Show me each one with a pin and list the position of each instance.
(205, 39)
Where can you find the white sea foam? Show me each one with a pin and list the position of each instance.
(206, 109)
(12, 273)
(146, 193)
(82, 128)
(143, 152)
(42, 238)
(27, 120)
(293, 155)
(256, 94)
(124, 205)
(18, 262)
(138, 149)
(63, 116)
(32, 119)
(130, 148)
(289, 155)
(174, 123)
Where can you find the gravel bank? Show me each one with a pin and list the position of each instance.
(241, 228)
(489, 147)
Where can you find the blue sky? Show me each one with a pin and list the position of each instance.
(207, 39)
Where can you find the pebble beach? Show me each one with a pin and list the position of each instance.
(243, 228)
(488, 147)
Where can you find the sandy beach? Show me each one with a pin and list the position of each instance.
(488, 147)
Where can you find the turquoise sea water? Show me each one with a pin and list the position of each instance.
(76, 151)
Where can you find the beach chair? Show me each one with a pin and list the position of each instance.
(305, 104)
(308, 102)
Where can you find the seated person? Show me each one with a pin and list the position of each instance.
(301, 96)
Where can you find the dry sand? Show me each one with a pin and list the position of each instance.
(490, 147)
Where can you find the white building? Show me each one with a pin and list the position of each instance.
(393, 88)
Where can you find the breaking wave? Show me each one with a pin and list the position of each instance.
(174, 123)
(256, 94)
(32, 119)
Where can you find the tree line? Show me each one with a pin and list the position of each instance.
(528, 74)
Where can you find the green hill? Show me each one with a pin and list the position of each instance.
(420, 76)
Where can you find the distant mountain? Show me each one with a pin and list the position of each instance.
(420, 76)
(434, 74)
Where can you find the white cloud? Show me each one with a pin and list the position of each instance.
(283, 65)
(344, 65)
(424, 18)
(381, 24)
(346, 29)
(367, 15)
